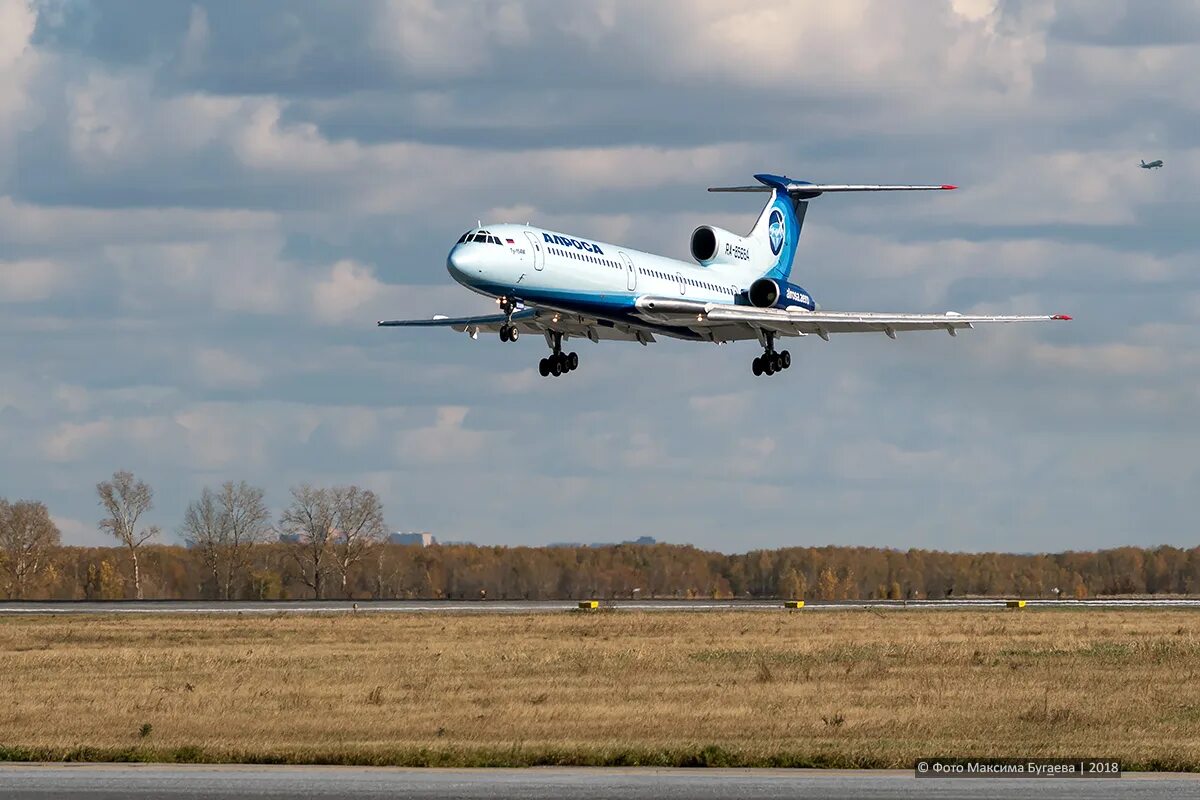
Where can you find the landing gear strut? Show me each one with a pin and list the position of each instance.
(508, 331)
(558, 362)
(771, 362)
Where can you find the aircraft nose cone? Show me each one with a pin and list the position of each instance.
(465, 261)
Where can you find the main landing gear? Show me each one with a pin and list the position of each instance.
(771, 362)
(558, 362)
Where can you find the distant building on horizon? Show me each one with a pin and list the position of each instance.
(420, 538)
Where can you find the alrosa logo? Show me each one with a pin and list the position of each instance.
(563, 241)
(795, 296)
(775, 230)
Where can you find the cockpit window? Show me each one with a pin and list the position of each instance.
(483, 237)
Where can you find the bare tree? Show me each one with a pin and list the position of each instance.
(26, 535)
(126, 500)
(224, 526)
(360, 528)
(309, 525)
(331, 529)
(204, 529)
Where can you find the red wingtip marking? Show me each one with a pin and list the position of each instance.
(1062, 316)
(948, 186)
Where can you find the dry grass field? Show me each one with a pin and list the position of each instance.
(805, 688)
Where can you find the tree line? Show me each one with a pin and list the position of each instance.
(331, 542)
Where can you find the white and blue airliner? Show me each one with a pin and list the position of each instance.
(740, 288)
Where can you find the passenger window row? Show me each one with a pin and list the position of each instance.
(605, 262)
(712, 287)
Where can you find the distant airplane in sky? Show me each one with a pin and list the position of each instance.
(562, 286)
(1156, 164)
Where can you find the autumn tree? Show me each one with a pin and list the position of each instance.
(791, 584)
(27, 535)
(361, 528)
(827, 584)
(332, 529)
(307, 525)
(125, 500)
(223, 526)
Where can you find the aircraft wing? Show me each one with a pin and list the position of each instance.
(486, 322)
(533, 320)
(720, 322)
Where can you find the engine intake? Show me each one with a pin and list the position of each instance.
(711, 245)
(704, 244)
(764, 293)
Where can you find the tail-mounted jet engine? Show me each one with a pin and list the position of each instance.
(767, 293)
(712, 245)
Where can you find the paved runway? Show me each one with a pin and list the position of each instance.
(105, 781)
(538, 606)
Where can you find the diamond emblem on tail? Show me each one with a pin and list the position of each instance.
(775, 231)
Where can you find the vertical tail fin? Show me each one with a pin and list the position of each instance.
(778, 232)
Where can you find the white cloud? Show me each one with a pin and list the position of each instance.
(71, 441)
(446, 441)
(348, 287)
(219, 368)
(18, 63)
(195, 41)
(79, 533)
(25, 281)
(431, 39)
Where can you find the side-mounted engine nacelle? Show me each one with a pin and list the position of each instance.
(712, 245)
(768, 293)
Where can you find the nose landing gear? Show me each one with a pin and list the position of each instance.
(508, 331)
(770, 361)
(558, 362)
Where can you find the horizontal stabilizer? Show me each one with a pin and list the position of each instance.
(806, 189)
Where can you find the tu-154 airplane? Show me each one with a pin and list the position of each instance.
(1155, 164)
(564, 286)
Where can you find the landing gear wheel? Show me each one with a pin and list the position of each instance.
(544, 367)
(556, 367)
(504, 333)
(513, 333)
(757, 366)
(785, 358)
(776, 362)
(573, 362)
(768, 365)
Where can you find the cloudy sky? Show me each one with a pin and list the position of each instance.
(205, 206)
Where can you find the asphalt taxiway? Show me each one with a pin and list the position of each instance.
(195, 782)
